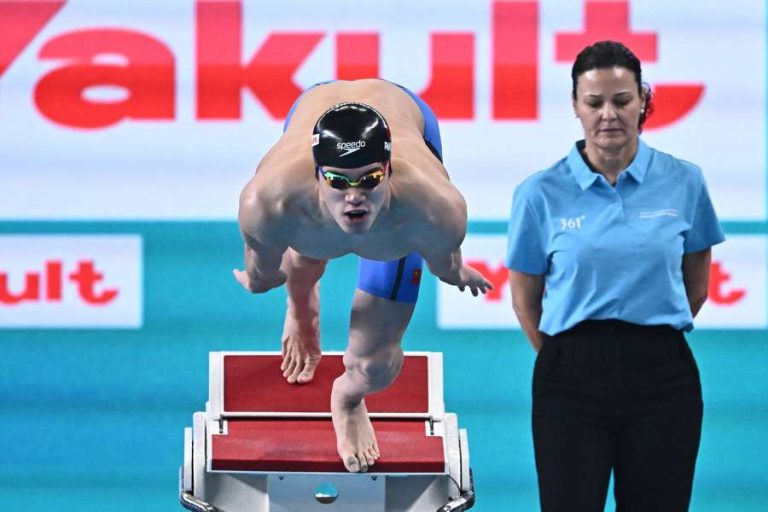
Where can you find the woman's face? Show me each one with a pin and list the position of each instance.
(609, 106)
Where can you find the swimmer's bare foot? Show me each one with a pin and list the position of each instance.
(301, 349)
(355, 438)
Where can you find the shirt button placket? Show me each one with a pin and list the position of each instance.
(618, 205)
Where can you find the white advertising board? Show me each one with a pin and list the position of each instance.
(132, 110)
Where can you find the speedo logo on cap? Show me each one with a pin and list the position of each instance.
(350, 147)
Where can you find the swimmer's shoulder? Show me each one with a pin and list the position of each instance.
(432, 204)
(280, 185)
(350, 90)
(420, 170)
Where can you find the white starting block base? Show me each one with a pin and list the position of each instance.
(208, 484)
(358, 492)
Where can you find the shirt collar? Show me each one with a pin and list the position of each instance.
(638, 168)
(584, 176)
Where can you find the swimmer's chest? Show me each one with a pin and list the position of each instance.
(330, 242)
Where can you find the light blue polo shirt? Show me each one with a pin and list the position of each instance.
(612, 252)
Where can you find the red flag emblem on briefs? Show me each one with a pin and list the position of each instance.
(416, 276)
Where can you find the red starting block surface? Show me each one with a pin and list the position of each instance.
(310, 446)
(263, 444)
(270, 425)
(255, 384)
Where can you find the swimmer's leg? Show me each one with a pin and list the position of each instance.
(382, 307)
(372, 360)
(301, 330)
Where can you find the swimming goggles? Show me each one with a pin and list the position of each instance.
(367, 181)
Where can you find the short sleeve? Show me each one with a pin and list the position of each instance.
(525, 241)
(705, 228)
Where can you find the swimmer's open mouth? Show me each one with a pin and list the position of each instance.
(356, 214)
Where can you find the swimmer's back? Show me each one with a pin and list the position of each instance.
(397, 107)
(290, 159)
(285, 179)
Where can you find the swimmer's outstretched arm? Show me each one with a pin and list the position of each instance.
(262, 267)
(303, 276)
(264, 245)
(301, 332)
(449, 268)
(441, 249)
(441, 225)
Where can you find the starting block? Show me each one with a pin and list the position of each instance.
(263, 445)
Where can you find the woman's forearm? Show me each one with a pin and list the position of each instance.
(527, 292)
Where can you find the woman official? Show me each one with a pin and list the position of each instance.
(608, 256)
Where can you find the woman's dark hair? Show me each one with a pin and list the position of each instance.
(609, 54)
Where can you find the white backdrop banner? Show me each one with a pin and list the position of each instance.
(147, 110)
(83, 281)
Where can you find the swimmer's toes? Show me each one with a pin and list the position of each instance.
(305, 376)
(352, 464)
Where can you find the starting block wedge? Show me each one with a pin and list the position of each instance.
(263, 445)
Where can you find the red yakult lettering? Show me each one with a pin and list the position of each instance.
(31, 289)
(672, 103)
(19, 23)
(605, 20)
(451, 90)
(515, 34)
(147, 70)
(609, 19)
(85, 278)
(718, 278)
(357, 55)
(221, 76)
(53, 272)
(147, 75)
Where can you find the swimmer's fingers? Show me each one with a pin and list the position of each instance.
(481, 288)
(244, 280)
(261, 285)
(242, 277)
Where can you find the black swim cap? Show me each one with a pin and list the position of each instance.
(351, 135)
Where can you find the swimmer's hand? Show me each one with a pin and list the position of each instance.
(470, 278)
(260, 285)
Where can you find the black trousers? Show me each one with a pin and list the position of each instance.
(614, 396)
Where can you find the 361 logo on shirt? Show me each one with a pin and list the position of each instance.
(571, 222)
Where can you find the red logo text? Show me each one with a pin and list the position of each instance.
(147, 72)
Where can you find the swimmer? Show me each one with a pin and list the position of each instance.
(359, 170)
